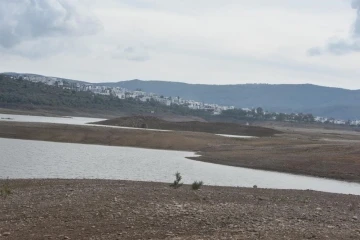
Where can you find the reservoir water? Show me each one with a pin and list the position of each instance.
(42, 119)
(38, 159)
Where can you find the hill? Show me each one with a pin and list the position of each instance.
(193, 126)
(318, 100)
(27, 95)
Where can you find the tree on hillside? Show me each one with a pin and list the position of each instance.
(260, 111)
(281, 117)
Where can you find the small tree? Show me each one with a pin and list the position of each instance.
(5, 190)
(177, 183)
(260, 111)
(197, 185)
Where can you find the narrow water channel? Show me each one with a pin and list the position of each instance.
(39, 159)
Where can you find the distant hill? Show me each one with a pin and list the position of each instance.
(17, 75)
(318, 100)
(307, 98)
(22, 94)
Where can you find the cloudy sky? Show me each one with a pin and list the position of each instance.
(194, 41)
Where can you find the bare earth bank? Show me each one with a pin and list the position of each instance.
(102, 209)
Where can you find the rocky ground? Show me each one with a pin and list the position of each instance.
(101, 209)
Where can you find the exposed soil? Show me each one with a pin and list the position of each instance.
(93, 113)
(101, 209)
(194, 126)
(309, 152)
(298, 125)
(59, 112)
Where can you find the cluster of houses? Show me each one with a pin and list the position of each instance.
(337, 121)
(123, 93)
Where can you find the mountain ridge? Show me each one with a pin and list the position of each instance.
(319, 100)
(179, 82)
(229, 85)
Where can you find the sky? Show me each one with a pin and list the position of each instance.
(193, 41)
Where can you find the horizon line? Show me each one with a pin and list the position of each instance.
(167, 81)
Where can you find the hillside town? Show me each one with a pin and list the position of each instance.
(123, 93)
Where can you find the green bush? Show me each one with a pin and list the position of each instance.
(197, 185)
(177, 183)
(5, 190)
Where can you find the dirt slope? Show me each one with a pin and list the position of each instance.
(194, 126)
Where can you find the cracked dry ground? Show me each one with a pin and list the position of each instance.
(102, 209)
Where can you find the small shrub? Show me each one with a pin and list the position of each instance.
(197, 185)
(177, 183)
(5, 190)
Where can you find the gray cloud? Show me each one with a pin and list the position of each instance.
(338, 47)
(46, 47)
(131, 53)
(356, 5)
(315, 51)
(342, 46)
(26, 20)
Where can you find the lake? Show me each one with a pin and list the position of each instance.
(38, 159)
(42, 119)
